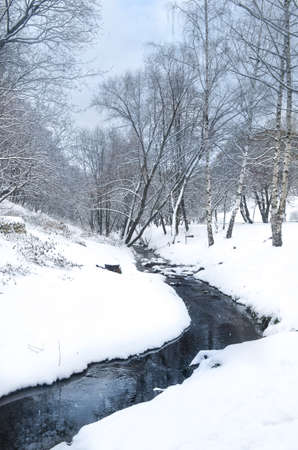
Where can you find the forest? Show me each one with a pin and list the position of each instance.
(206, 126)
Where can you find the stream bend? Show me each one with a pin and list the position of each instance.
(41, 417)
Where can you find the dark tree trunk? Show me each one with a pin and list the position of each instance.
(177, 220)
(99, 219)
(244, 210)
(108, 218)
(231, 226)
(91, 220)
(263, 200)
(225, 214)
(162, 222)
(184, 215)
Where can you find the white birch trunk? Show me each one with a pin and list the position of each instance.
(238, 195)
(279, 205)
(206, 132)
(175, 210)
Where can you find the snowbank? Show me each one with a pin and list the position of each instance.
(60, 312)
(11, 219)
(241, 398)
(246, 267)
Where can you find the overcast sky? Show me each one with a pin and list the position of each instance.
(128, 25)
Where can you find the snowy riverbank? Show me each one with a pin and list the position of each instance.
(240, 398)
(243, 397)
(245, 267)
(60, 312)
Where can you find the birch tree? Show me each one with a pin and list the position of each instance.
(207, 43)
(280, 19)
(252, 98)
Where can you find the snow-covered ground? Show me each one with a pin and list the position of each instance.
(243, 397)
(246, 267)
(60, 312)
(240, 398)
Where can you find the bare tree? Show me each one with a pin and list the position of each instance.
(48, 22)
(280, 20)
(252, 96)
(209, 58)
(148, 104)
(37, 43)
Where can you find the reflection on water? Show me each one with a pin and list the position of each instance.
(39, 418)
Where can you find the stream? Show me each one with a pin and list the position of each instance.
(40, 417)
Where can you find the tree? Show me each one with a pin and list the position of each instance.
(252, 100)
(147, 103)
(280, 19)
(48, 22)
(208, 46)
(38, 39)
(103, 155)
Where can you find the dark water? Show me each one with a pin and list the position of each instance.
(39, 418)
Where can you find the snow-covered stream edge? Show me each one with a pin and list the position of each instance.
(38, 418)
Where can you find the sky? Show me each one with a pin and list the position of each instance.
(127, 27)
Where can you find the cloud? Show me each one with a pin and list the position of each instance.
(128, 25)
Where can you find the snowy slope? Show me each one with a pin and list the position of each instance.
(60, 312)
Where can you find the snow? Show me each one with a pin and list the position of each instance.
(11, 219)
(60, 312)
(241, 398)
(245, 267)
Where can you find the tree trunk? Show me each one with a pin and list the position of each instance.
(238, 195)
(225, 213)
(163, 224)
(216, 220)
(129, 223)
(244, 210)
(288, 140)
(275, 216)
(108, 218)
(206, 132)
(209, 200)
(99, 219)
(263, 202)
(184, 215)
(176, 206)
(278, 207)
(91, 220)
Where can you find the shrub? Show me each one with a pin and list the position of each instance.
(11, 224)
(43, 253)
